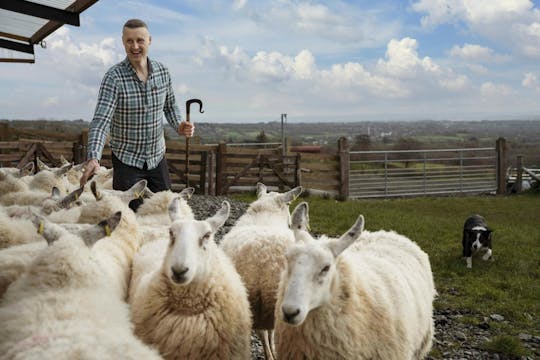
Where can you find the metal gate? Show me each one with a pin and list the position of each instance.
(422, 172)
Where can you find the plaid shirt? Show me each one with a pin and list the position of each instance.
(132, 112)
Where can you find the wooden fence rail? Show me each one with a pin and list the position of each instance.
(220, 169)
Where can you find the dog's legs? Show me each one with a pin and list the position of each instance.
(469, 262)
(487, 255)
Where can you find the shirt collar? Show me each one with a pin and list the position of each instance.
(127, 64)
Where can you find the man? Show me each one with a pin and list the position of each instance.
(132, 98)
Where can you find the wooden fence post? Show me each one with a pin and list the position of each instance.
(221, 158)
(202, 174)
(4, 132)
(82, 146)
(344, 166)
(519, 174)
(500, 146)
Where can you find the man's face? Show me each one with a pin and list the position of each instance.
(136, 42)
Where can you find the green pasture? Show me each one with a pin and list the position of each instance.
(509, 285)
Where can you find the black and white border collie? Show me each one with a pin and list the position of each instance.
(476, 236)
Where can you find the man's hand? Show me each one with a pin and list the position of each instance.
(90, 168)
(186, 128)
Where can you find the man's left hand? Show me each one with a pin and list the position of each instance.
(186, 128)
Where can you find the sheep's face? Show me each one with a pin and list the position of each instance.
(307, 280)
(188, 257)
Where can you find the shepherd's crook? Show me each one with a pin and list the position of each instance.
(188, 104)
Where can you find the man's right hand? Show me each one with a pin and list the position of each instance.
(90, 168)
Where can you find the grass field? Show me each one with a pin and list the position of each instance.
(509, 285)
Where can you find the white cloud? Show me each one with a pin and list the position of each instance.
(403, 60)
(530, 81)
(51, 101)
(471, 11)
(490, 89)
(457, 83)
(476, 53)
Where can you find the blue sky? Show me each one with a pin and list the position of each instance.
(332, 60)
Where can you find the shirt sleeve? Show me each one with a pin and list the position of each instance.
(170, 108)
(100, 125)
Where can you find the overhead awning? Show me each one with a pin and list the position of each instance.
(24, 24)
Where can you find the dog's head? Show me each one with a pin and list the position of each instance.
(479, 237)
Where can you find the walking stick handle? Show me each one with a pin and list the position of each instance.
(188, 104)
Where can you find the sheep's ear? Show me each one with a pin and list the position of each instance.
(27, 169)
(300, 217)
(104, 228)
(220, 217)
(138, 189)
(63, 160)
(78, 167)
(291, 195)
(55, 193)
(70, 199)
(337, 246)
(261, 189)
(41, 165)
(187, 193)
(174, 209)
(50, 231)
(97, 194)
(148, 193)
(64, 169)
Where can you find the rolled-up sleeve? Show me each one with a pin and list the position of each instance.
(100, 125)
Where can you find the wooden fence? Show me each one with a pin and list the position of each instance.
(221, 169)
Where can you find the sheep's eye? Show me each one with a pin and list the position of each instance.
(204, 238)
(171, 235)
(324, 270)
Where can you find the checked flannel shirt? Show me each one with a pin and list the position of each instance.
(131, 112)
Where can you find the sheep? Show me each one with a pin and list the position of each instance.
(257, 243)
(341, 299)
(154, 209)
(186, 297)
(65, 306)
(45, 180)
(27, 169)
(14, 260)
(10, 183)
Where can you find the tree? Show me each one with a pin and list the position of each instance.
(362, 142)
(261, 138)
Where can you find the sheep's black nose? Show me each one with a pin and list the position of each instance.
(178, 274)
(290, 314)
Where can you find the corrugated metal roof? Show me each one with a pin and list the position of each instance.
(26, 23)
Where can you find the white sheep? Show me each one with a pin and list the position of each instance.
(45, 180)
(341, 299)
(15, 259)
(66, 306)
(10, 183)
(257, 244)
(186, 297)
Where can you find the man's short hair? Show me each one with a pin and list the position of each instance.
(135, 23)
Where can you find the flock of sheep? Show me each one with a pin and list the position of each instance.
(84, 277)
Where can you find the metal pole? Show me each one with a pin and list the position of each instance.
(283, 145)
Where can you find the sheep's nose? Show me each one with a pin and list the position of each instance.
(290, 313)
(178, 273)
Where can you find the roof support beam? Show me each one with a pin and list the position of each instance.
(41, 11)
(16, 46)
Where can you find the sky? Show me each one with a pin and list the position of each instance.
(321, 60)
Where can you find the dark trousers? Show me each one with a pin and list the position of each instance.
(125, 176)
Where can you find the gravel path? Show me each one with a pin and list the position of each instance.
(454, 339)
